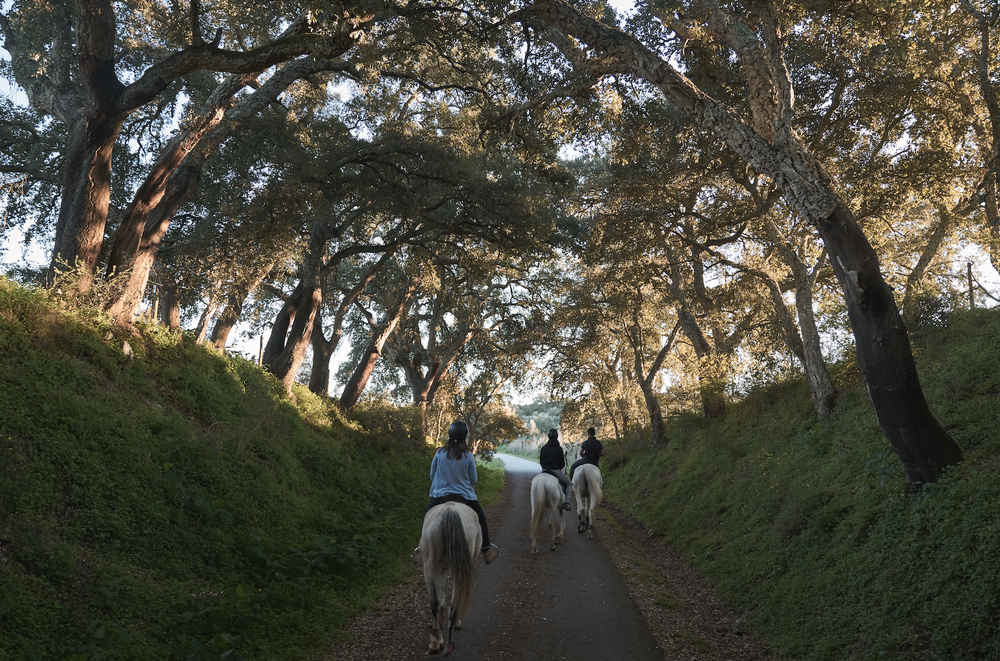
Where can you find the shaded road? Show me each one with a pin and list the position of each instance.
(566, 604)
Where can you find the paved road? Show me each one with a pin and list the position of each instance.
(567, 604)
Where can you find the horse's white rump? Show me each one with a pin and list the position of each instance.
(587, 484)
(449, 541)
(546, 496)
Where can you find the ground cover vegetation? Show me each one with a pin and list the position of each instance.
(161, 500)
(808, 525)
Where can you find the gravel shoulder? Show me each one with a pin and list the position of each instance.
(531, 604)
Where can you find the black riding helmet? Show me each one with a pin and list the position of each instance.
(458, 431)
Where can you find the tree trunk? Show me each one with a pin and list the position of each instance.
(122, 309)
(285, 363)
(646, 378)
(916, 275)
(884, 354)
(170, 300)
(234, 307)
(279, 329)
(131, 231)
(86, 194)
(206, 316)
(821, 388)
(711, 384)
(323, 349)
(319, 379)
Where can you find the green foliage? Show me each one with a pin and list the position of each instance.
(808, 525)
(168, 502)
(545, 414)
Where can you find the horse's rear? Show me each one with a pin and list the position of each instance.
(449, 541)
(587, 485)
(546, 496)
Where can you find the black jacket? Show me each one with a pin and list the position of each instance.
(551, 457)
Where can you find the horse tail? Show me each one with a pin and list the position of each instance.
(594, 486)
(456, 548)
(537, 507)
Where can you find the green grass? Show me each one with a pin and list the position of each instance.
(807, 524)
(179, 504)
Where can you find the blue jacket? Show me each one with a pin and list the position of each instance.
(456, 476)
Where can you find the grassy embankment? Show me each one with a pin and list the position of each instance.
(807, 523)
(178, 504)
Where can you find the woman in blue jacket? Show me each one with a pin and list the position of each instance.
(453, 478)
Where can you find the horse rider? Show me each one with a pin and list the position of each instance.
(591, 452)
(453, 476)
(553, 461)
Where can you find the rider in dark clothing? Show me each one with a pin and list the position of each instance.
(591, 452)
(553, 461)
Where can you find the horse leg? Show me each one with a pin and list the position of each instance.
(590, 523)
(452, 623)
(436, 639)
(552, 530)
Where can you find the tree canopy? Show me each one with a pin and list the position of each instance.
(637, 214)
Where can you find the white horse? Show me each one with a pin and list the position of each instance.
(449, 541)
(587, 483)
(546, 496)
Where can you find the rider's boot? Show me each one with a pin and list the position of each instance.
(416, 557)
(491, 553)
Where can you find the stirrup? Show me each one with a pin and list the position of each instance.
(491, 553)
(416, 557)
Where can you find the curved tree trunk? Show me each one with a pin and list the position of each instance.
(323, 348)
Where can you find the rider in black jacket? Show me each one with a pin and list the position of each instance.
(553, 461)
(591, 452)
